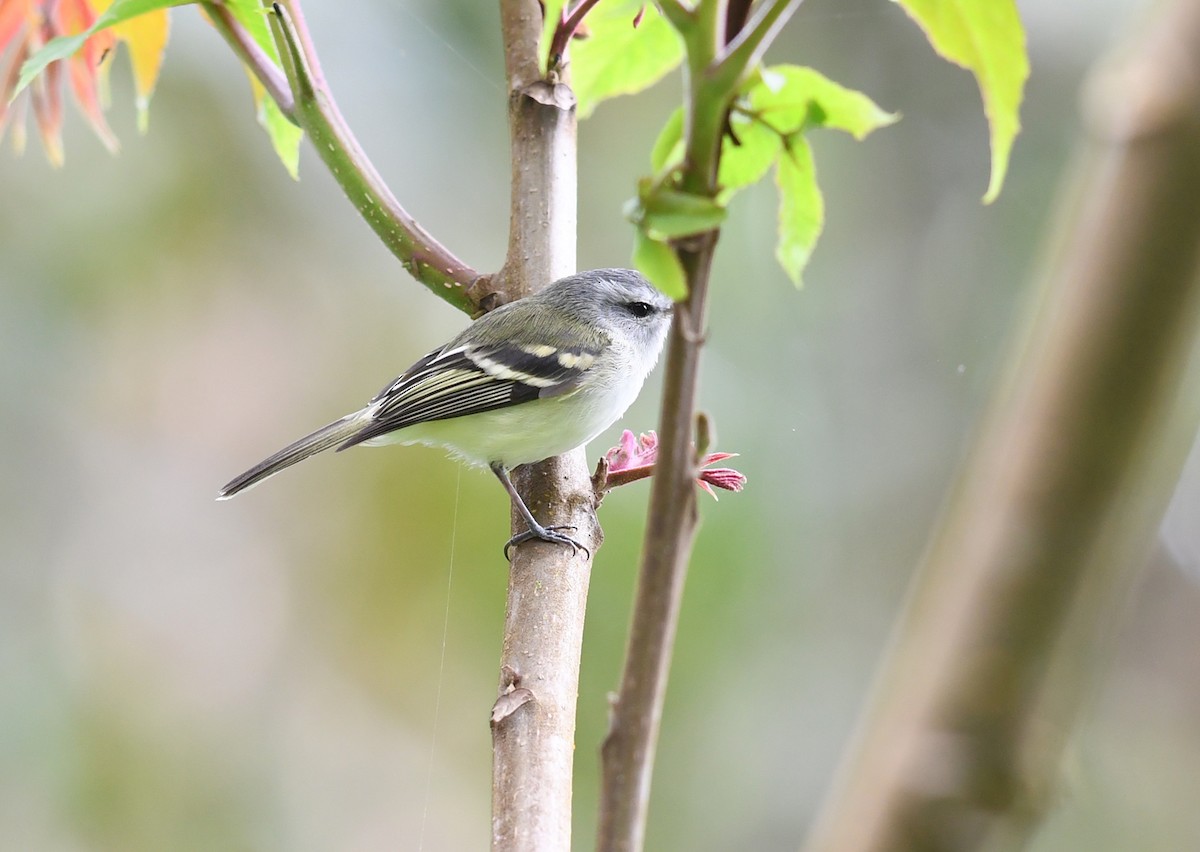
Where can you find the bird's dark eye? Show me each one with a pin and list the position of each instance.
(639, 309)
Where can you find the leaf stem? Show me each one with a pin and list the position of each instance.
(566, 29)
(747, 47)
(680, 16)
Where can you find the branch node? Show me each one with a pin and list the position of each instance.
(600, 481)
(551, 94)
(509, 702)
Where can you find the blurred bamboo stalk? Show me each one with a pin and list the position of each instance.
(1062, 496)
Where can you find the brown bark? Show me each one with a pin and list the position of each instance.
(533, 745)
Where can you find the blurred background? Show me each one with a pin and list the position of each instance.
(311, 666)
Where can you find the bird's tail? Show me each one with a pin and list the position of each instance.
(335, 433)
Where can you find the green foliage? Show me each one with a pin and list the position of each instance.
(767, 123)
(801, 208)
(666, 213)
(773, 111)
(618, 58)
(285, 136)
(777, 107)
(658, 262)
(668, 147)
(663, 213)
(746, 160)
(987, 39)
(630, 45)
(791, 99)
(65, 46)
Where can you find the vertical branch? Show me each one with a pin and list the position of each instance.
(628, 751)
(533, 745)
(542, 128)
(713, 75)
(1062, 497)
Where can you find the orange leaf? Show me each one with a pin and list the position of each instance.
(8, 80)
(75, 16)
(14, 13)
(87, 95)
(47, 111)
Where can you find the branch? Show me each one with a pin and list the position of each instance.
(1060, 500)
(533, 746)
(627, 755)
(736, 13)
(315, 110)
(677, 13)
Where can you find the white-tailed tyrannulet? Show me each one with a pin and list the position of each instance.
(530, 380)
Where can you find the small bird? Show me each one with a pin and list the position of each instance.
(530, 380)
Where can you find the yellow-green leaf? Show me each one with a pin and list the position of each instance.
(618, 58)
(285, 136)
(668, 147)
(986, 38)
(665, 213)
(801, 209)
(792, 98)
(745, 162)
(658, 262)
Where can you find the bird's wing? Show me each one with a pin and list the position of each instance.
(469, 379)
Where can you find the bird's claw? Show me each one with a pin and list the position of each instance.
(546, 534)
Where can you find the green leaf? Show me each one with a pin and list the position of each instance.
(987, 39)
(65, 46)
(618, 58)
(747, 161)
(668, 147)
(791, 99)
(658, 262)
(551, 14)
(285, 136)
(252, 15)
(801, 209)
(665, 213)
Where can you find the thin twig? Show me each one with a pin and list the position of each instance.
(747, 47)
(566, 29)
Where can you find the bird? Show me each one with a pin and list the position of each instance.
(532, 379)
